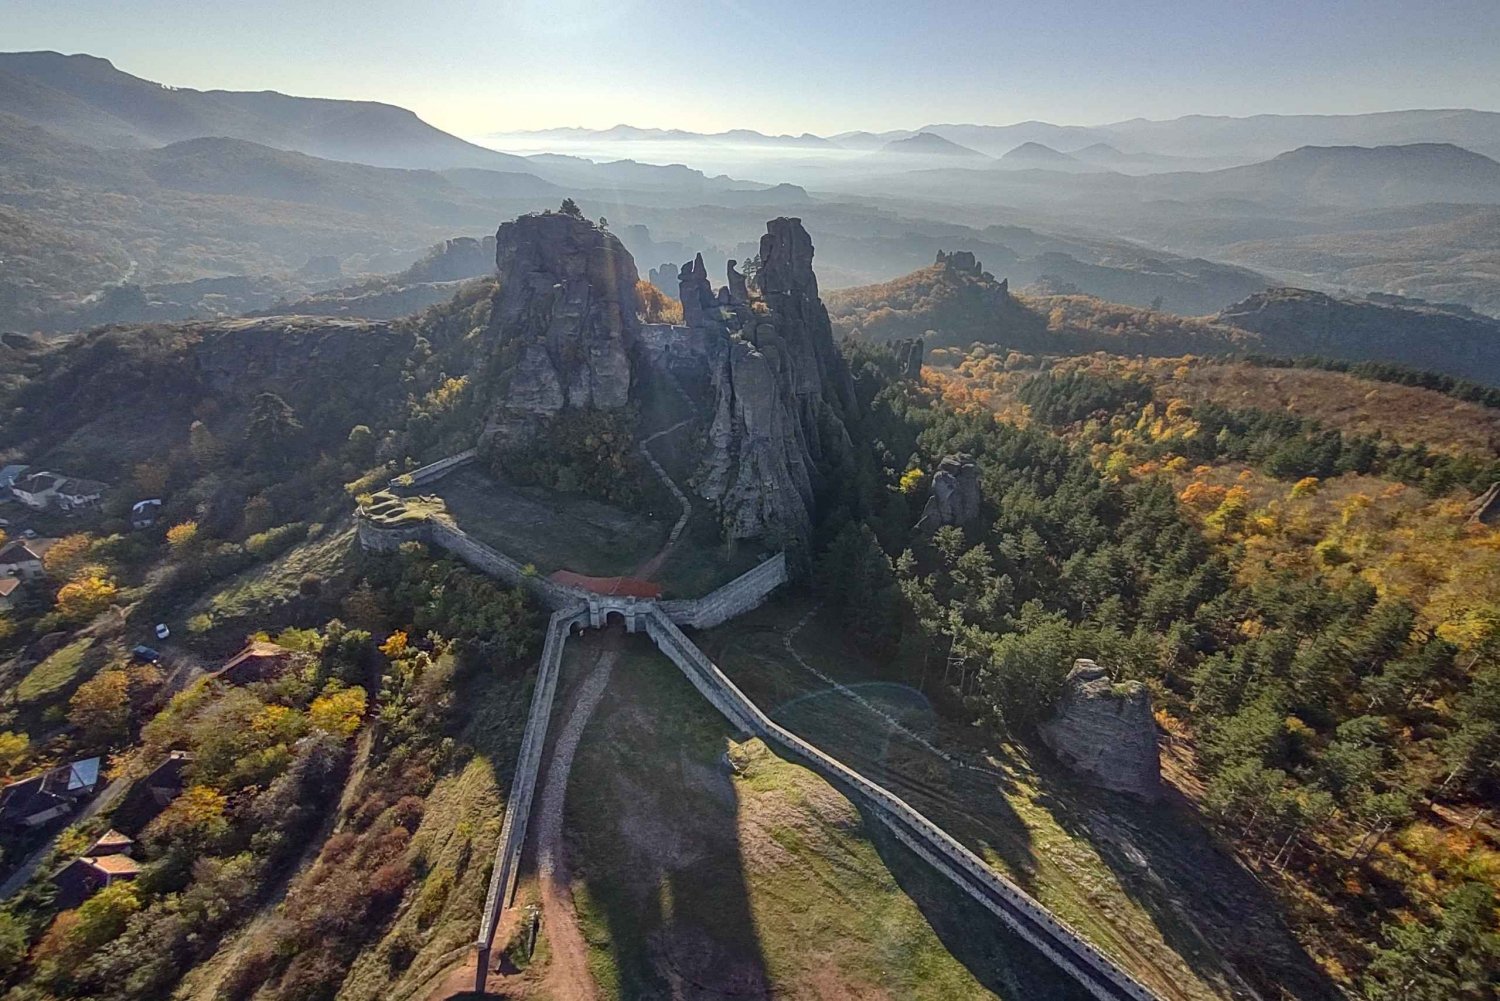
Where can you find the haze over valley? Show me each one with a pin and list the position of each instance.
(813, 501)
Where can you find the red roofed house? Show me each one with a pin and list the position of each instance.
(8, 588)
(106, 861)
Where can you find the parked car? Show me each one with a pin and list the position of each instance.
(145, 655)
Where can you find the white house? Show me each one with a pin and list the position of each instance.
(40, 491)
(23, 558)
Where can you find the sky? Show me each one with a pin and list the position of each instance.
(798, 65)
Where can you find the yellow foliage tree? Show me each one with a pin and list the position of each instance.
(1201, 496)
(67, 555)
(195, 817)
(338, 710)
(1305, 487)
(89, 593)
(100, 708)
(13, 749)
(183, 536)
(655, 306)
(912, 481)
(395, 645)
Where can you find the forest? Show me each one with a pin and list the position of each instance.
(1313, 613)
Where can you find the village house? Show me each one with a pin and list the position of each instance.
(23, 558)
(52, 794)
(107, 861)
(260, 661)
(40, 491)
(153, 793)
(8, 588)
(143, 513)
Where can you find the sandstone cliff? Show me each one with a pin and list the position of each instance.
(562, 325)
(1105, 731)
(781, 389)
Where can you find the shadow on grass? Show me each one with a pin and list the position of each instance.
(1211, 910)
(999, 959)
(652, 837)
(866, 733)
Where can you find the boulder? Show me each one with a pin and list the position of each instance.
(563, 323)
(1105, 732)
(955, 494)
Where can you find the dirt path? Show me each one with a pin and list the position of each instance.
(568, 978)
(649, 568)
(891, 721)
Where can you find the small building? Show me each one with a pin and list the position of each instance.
(23, 558)
(150, 795)
(107, 861)
(260, 661)
(40, 491)
(52, 794)
(143, 513)
(8, 588)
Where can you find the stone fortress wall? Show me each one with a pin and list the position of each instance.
(661, 620)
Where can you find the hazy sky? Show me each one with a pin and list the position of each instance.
(798, 65)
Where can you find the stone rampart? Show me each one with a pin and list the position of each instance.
(434, 470)
(523, 786)
(747, 591)
(1070, 951)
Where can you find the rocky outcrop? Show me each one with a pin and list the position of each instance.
(451, 261)
(562, 325)
(781, 390)
(1486, 510)
(909, 357)
(697, 295)
(1105, 732)
(955, 495)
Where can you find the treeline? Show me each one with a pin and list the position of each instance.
(1379, 371)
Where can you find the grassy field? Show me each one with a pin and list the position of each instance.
(55, 672)
(553, 531)
(258, 596)
(1144, 883)
(706, 867)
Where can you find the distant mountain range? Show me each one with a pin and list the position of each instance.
(928, 144)
(1207, 139)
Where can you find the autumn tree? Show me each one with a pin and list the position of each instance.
(100, 708)
(654, 305)
(13, 750)
(90, 592)
(67, 555)
(338, 710)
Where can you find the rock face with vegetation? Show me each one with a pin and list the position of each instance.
(1105, 731)
(563, 324)
(781, 392)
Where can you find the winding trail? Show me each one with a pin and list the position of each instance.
(895, 724)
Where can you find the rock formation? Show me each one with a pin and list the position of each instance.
(781, 390)
(562, 325)
(909, 356)
(955, 494)
(1105, 732)
(1486, 510)
(697, 295)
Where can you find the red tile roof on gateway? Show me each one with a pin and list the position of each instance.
(615, 587)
